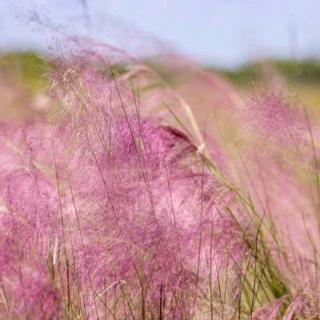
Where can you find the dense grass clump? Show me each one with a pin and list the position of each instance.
(125, 196)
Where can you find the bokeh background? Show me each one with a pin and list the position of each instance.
(249, 42)
(221, 32)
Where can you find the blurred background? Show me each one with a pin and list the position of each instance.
(248, 42)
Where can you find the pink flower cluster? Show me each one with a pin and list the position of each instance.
(106, 213)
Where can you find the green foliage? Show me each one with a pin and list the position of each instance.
(25, 66)
(299, 70)
(243, 75)
(306, 71)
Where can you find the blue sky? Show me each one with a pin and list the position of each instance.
(222, 32)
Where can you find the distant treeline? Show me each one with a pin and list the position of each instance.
(31, 66)
(307, 70)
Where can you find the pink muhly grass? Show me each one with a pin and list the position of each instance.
(115, 204)
(274, 118)
(100, 203)
(284, 128)
(285, 190)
